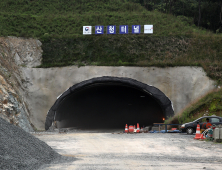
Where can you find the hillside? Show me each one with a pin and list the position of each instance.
(58, 25)
(208, 105)
(65, 18)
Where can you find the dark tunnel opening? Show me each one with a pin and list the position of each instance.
(108, 106)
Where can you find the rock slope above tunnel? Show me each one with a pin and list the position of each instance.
(16, 53)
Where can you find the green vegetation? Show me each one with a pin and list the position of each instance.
(63, 18)
(136, 50)
(60, 18)
(58, 24)
(203, 13)
(209, 105)
(176, 40)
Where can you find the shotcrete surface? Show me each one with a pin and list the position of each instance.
(133, 151)
(182, 85)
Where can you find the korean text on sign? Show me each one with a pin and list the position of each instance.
(111, 29)
(123, 29)
(135, 29)
(99, 29)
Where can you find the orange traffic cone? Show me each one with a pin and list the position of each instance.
(138, 128)
(126, 129)
(198, 135)
(134, 128)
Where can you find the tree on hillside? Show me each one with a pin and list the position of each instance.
(171, 4)
(213, 9)
(220, 3)
(205, 13)
(199, 4)
(166, 6)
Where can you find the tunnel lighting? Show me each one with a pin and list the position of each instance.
(163, 118)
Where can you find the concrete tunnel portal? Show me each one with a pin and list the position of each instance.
(109, 103)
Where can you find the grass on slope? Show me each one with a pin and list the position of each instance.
(61, 7)
(135, 50)
(59, 18)
(175, 42)
(58, 24)
(210, 104)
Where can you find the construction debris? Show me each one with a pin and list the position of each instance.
(21, 151)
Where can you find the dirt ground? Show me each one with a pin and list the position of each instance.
(133, 151)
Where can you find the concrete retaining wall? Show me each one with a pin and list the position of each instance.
(181, 84)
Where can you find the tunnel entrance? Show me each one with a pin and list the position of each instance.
(108, 105)
(109, 102)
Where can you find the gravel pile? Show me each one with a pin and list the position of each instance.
(21, 150)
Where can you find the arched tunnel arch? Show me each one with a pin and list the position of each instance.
(109, 102)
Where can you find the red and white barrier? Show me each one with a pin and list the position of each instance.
(126, 129)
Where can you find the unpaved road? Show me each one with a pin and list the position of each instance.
(133, 151)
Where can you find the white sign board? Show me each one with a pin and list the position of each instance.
(87, 30)
(148, 29)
